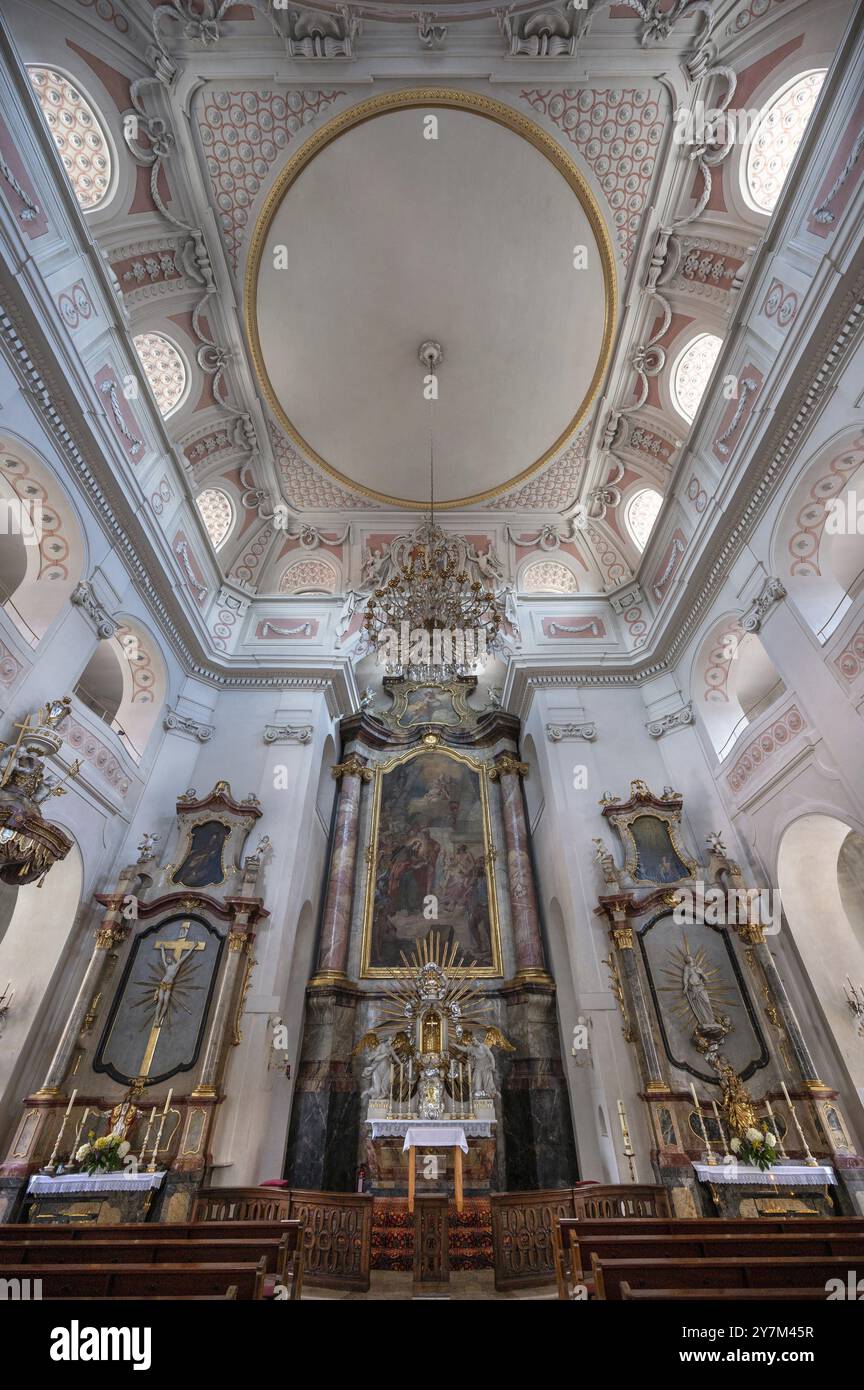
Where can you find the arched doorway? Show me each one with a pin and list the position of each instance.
(36, 951)
(820, 874)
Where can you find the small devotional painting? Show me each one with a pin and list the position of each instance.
(657, 860)
(430, 864)
(202, 864)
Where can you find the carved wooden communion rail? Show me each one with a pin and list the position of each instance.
(523, 1224)
(337, 1227)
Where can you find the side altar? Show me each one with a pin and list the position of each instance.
(138, 1067)
(741, 1122)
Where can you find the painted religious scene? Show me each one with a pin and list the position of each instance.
(431, 863)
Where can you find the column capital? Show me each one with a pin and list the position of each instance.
(508, 765)
(110, 934)
(353, 766)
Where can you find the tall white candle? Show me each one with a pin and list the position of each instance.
(71, 1103)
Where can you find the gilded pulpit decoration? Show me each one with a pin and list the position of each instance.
(30, 845)
(431, 860)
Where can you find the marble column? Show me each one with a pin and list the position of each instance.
(239, 944)
(336, 916)
(751, 933)
(112, 932)
(525, 920)
(622, 936)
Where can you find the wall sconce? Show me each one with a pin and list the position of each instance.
(855, 1002)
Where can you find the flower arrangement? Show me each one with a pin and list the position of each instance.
(756, 1147)
(103, 1155)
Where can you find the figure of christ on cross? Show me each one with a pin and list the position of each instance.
(174, 954)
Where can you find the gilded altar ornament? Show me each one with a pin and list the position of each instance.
(440, 1061)
(30, 845)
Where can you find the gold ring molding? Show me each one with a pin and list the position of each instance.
(402, 100)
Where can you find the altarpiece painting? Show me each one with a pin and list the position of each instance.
(430, 862)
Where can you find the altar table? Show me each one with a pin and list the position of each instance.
(799, 1174)
(432, 1135)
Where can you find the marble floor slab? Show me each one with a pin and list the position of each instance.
(387, 1284)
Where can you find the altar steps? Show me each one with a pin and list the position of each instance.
(393, 1235)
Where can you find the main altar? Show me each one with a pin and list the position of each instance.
(431, 1014)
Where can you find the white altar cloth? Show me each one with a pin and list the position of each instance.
(43, 1184)
(397, 1129)
(425, 1135)
(796, 1174)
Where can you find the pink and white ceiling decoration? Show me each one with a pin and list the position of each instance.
(77, 133)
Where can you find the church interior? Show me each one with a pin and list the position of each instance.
(432, 650)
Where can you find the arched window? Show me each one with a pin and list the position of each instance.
(548, 577)
(776, 139)
(164, 368)
(125, 683)
(78, 134)
(309, 577)
(642, 511)
(217, 512)
(692, 373)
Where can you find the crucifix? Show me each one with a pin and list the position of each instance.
(173, 954)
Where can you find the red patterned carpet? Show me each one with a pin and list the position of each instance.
(393, 1234)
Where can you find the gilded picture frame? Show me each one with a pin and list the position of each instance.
(370, 970)
(671, 821)
(190, 826)
(403, 715)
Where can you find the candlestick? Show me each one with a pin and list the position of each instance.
(401, 1082)
(151, 1167)
(461, 1092)
(470, 1090)
(808, 1159)
(723, 1139)
(143, 1154)
(709, 1156)
(52, 1162)
(392, 1072)
(81, 1124)
(410, 1081)
(629, 1153)
(775, 1128)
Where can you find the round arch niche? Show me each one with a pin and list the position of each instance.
(820, 874)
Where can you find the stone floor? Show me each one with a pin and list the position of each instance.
(477, 1284)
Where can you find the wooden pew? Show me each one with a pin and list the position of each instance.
(629, 1295)
(274, 1253)
(797, 1271)
(251, 1231)
(574, 1239)
(141, 1281)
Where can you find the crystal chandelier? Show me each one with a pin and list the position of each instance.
(431, 621)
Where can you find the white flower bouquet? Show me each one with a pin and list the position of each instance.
(756, 1147)
(103, 1155)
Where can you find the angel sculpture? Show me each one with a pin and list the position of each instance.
(483, 1059)
(378, 1066)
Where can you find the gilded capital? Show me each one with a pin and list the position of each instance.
(109, 936)
(507, 765)
(623, 938)
(352, 767)
(751, 933)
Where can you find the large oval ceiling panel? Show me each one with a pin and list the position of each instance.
(376, 238)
